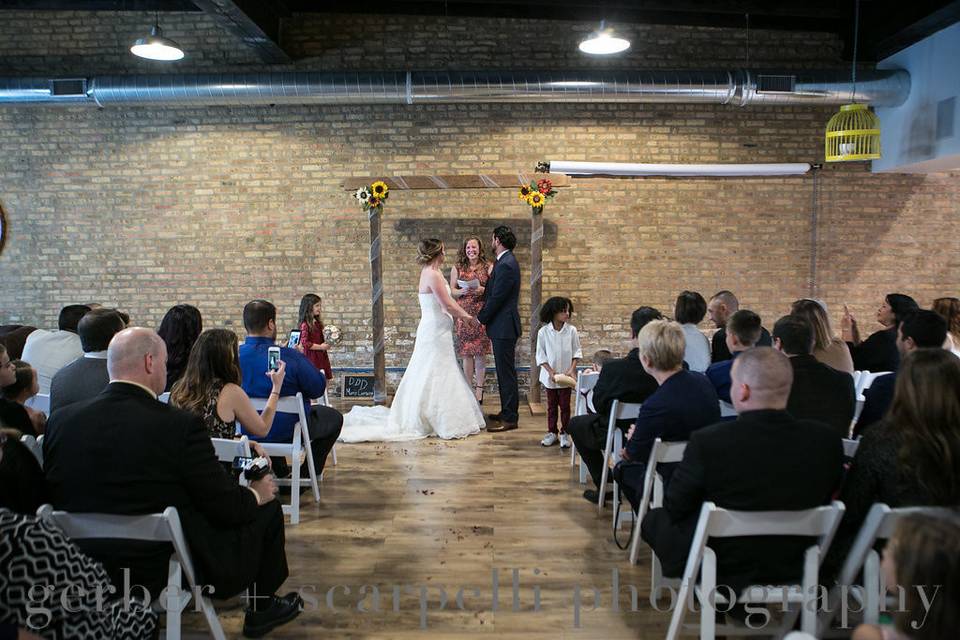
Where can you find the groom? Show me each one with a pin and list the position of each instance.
(502, 318)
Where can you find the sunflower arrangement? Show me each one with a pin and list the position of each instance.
(372, 196)
(537, 193)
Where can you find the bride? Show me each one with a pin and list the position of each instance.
(433, 398)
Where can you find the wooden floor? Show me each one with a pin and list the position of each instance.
(458, 514)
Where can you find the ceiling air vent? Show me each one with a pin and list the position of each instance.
(69, 87)
(775, 84)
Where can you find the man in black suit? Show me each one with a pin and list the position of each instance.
(125, 452)
(722, 305)
(87, 376)
(818, 392)
(921, 329)
(501, 316)
(764, 460)
(624, 379)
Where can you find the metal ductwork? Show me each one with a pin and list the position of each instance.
(882, 88)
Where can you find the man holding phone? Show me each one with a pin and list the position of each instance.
(257, 354)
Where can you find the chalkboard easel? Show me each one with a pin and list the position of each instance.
(356, 385)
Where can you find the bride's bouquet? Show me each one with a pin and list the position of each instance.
(372, 197)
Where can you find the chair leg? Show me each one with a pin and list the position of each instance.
(615, 456)
(333, 454)
(635, 541)
(213, 622)
(573, 455)
(708, 592)
(310, 467)
(174, 580)
(295, 481)
(606, 468)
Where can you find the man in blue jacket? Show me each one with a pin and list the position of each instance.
(324, 423)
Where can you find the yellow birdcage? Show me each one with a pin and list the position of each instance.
(853, 133)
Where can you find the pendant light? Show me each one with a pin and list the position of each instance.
(853, 133)
(155, 46)
(604, 42)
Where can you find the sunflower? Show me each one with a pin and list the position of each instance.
(362, 195)
(373, 201)
(536, 199)
(379, 189)
(524, 192)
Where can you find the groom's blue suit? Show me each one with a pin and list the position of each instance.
(501, 316)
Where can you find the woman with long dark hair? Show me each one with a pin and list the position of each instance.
(911, 457)
(312, 339)
(179, 329)
(210, 388)
(879, 351)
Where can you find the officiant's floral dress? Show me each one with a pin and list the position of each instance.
(473, 340)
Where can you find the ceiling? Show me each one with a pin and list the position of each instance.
(886, 26)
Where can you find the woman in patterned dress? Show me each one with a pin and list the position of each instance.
(471, 265)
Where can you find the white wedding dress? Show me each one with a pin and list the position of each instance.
(433, 398)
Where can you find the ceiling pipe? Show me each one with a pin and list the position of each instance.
(885, 88)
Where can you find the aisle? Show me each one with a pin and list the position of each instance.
(450, 515)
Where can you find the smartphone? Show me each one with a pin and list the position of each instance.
(294, 339)
(273, 358)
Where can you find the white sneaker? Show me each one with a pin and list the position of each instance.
(565, 442)
(549, 440)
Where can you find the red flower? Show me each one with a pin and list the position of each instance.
(545, 187)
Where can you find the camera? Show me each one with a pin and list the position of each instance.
(253, 469)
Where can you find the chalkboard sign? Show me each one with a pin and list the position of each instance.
(357, 385)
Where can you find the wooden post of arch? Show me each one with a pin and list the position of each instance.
(440, 182)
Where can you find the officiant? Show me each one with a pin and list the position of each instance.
(468, 277)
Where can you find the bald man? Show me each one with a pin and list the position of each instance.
(764, 460)
(722, 305)
(125, 452)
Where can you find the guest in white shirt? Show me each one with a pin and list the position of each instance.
(558, 351)
(689, 311)
(87, 376)
(50, 351)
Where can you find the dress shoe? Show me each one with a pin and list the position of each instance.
(503, 426)
(592, 495)
(494, 417)
(267, 617)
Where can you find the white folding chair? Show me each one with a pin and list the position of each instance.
(850, 447)
(586, 381)
(611, 451)
(156, 527)
(229, 448)
(880, 523)
(35, 445)
(164, 397)
(801, 599)
(40, 402)
(727, 410)
(861, 382)
(652, 497)
(292, 450)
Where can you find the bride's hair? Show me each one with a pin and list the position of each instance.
(428, 250)
(463, 262)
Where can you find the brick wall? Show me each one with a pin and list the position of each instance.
(147, 207)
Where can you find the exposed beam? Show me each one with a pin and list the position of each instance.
(99, 5)
(940, 19)
(817, 15)
(255, 22)
(478, 181)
